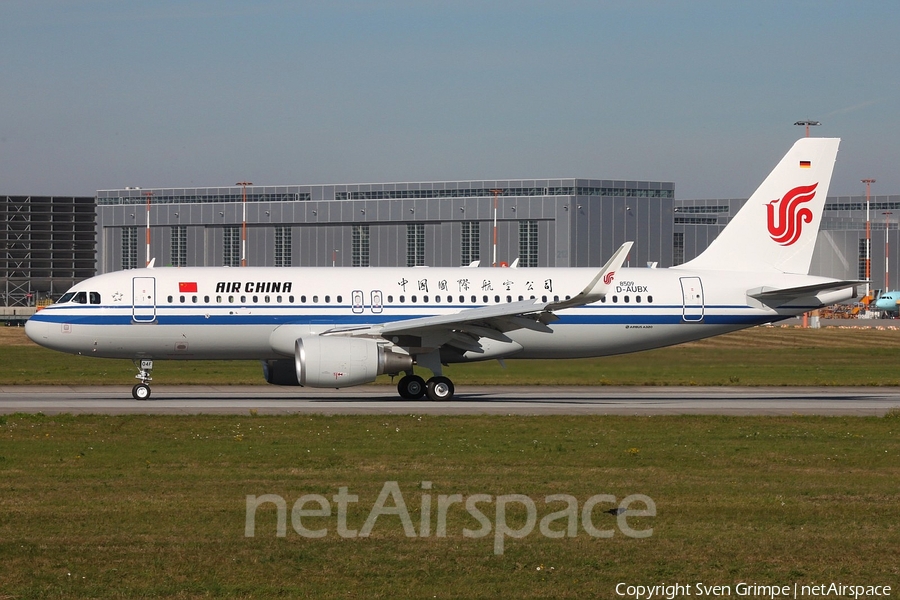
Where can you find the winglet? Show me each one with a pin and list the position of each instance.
(600, 284)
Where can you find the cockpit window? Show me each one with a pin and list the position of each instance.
(95, 297)
(66, 297)
(80, 298)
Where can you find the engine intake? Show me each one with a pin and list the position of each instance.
(323, 361)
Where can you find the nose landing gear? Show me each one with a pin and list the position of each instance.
(141, 391)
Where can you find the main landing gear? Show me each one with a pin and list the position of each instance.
(413, 387)
(141, 391)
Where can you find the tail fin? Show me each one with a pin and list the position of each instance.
(776, 229)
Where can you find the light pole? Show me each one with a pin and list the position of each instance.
(495, 193)
(149, 195)
(244, 185)
(868, 183)
(887, 278)
(807, 123)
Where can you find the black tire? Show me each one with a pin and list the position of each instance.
(411, 387)
(141, 391)
(440, 389)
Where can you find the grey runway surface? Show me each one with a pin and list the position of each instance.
(519, 400)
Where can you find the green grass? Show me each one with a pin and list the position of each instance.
(759, 356)
(150, 506)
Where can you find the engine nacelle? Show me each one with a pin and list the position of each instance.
(337, 361)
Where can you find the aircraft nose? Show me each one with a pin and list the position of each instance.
(37, 331)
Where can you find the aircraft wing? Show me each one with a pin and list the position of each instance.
(463, 329)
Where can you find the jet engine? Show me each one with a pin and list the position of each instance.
(337, 361)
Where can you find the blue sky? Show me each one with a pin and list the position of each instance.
(102, 94)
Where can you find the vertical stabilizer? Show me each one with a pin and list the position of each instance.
(777, 227)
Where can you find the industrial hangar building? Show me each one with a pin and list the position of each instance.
(540, 223)
(47, 244)
(840, 248)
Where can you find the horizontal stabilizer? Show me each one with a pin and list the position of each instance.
(769, 295)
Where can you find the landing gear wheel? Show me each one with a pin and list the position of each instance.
(440, 389)
(141, 391)
(411, 387)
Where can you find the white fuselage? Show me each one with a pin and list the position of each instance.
(256, 312)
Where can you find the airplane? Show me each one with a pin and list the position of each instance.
(888, 301)
(334, 328)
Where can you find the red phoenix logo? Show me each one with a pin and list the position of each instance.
(609, 277)
(786, 226)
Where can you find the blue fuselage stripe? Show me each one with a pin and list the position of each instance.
(606, 317)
